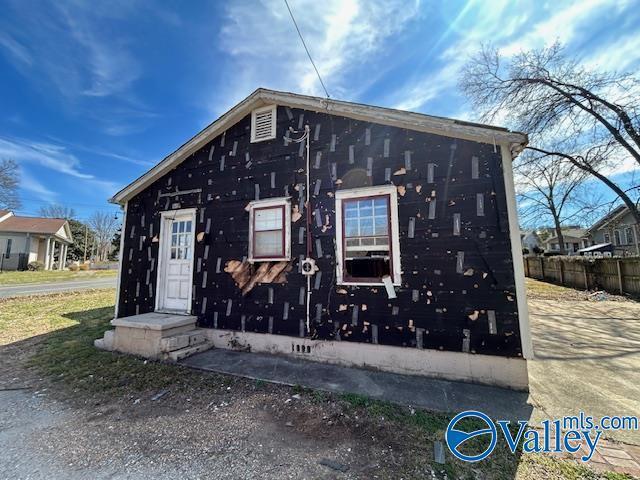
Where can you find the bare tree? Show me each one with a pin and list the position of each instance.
(9, 177)
(104, 225)
(572, 113)
(552, 190)
(58, 211)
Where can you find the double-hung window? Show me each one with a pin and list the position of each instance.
(367, 235)
(617, 237)
(270, 230)
(628, 233)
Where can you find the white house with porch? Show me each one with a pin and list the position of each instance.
(29, 239)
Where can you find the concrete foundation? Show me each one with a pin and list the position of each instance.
(174, 337)
(484, 369)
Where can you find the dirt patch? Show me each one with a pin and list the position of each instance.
(537, 290)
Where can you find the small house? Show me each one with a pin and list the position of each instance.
(332, 231)
(619, 229)
(574, 240)
(24, 240)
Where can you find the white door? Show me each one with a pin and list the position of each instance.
(176, 267)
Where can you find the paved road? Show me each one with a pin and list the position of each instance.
(63, 286)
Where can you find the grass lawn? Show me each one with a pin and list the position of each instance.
(47, 276)
(65, 326)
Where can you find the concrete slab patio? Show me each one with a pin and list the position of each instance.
(421, 392)
(587, 359)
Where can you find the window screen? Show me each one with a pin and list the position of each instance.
(268, 232)
(367, 242)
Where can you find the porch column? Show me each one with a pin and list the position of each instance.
(61, 256)
(52, 255)
(46, 254)
(27, 249)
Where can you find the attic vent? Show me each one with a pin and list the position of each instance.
(263, 123)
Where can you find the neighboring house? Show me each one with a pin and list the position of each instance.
(574, 240)
(28, 239)
(530, 240)
(408, 223)
(619, 229)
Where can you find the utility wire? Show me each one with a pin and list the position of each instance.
(306, 49)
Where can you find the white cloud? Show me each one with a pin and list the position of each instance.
(56, 158)
(622, 57)
(563, 25)
(15, 49)
(70, 52)
(477, 22)
(112, 69)
(511, 28)
(29, 183)
(342, 36)
(47, 155)
(70, 47)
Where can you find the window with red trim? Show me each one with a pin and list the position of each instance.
(269, 230)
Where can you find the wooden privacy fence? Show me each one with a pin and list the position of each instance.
(615, 275)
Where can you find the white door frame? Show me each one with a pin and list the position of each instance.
(162, 252)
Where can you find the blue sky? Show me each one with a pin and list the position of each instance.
(92, 94)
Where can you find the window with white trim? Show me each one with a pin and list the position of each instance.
(270, 230)
(263, 123)
(617, 237)
(628, 233)
(367, 235)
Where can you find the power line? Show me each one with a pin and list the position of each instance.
(306, 49)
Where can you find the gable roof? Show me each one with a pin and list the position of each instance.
(5, 214)
(47, 226)
(617, 212)
(386, 116)
(570, 232)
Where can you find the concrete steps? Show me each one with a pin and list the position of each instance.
(183, 353)
(180, 346)
(156, 335)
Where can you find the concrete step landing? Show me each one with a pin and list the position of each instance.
(156, 335)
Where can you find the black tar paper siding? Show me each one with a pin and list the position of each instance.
(457, 290)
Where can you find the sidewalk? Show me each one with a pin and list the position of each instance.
(421, 392)
(610, 456)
